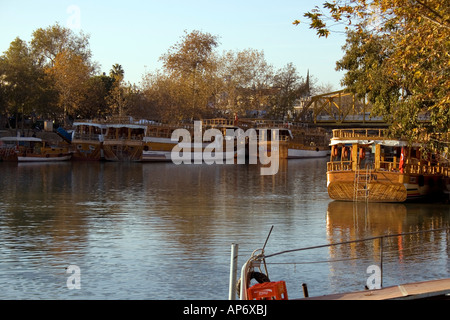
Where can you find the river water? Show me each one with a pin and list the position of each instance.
(162, 231)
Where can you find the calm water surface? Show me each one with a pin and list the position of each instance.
(161, 231)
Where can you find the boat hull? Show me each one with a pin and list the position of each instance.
(131, 152)
(87, 151)
(384, 187)
(160, 149)
(43, 158)
(307, 153)
(155, 155)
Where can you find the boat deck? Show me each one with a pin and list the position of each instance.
(435, 289)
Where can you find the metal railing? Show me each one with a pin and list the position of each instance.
(380, 239)
(359, 133)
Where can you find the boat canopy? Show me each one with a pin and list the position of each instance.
(92, 124)
(21, 139)
(389, 143)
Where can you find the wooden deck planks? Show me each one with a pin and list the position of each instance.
(417, 290)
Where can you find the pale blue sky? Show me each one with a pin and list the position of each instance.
(136, 33)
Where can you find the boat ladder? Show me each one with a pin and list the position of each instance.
(361, 184)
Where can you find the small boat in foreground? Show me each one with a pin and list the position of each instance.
(254, 282)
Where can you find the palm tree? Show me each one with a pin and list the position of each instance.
(117, 72)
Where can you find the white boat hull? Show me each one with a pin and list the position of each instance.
(43, 159)
(305, 154)
(153, 155)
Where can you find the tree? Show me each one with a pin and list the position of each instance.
(413, 57)
(118, 95)
(71, 75)
(117, 73)
(22, 80)
(94, 103)
(162, 93)
(191, 62)
(66, 59)
(290, 86)
(248, 79)
(367, 74)
(49, 42)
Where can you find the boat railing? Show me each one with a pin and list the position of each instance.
(419, 168)
(339, 166)
(121, 120)
(7, 151)
(87, 136)
(359, 133)
(381, 242)
(218, 122)
(427, 169)
(133, 137)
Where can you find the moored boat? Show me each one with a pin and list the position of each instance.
(366, 165)
(160, 142)
(31, 149)
(123, 140)
(87, 140)
(308, 143)
(294, 141)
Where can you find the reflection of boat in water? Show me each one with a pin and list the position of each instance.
(366, 165)
(123, 140)
(347, 217)
(87, 140)
(31, 149)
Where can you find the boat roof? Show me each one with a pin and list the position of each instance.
(12, 138)
(87, 123)
(387, 142)
(125, 125)
(367, 136)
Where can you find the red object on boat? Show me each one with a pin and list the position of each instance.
(268, 291)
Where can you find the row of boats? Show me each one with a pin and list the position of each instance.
(123, 139)
(365, 164)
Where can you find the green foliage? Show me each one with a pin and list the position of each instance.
(397, 54)
(23, 83)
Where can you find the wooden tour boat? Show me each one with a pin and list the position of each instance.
(124, 139)
(31, 149)
(294, 141)
(159, 144)
(87, 140)
(308, 143)
(366, 165)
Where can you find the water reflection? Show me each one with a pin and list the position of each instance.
(161, 231)
(401, 256)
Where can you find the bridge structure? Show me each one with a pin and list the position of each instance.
(337, 109)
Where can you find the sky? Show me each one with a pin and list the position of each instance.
(135, 34)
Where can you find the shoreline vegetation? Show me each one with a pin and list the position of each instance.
(395, 57)
(53, 77)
